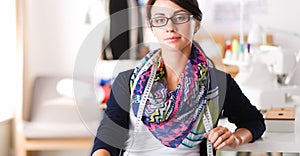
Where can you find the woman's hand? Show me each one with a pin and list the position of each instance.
(221, 137)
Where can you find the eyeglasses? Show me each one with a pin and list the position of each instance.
(176, 19)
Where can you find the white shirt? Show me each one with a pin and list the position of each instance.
(145, 144)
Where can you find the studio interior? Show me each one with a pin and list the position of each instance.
(59, 59)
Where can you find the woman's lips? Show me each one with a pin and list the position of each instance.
(172, 38)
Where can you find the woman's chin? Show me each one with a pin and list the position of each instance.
(175, 47)
(172, 47)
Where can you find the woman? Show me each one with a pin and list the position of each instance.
(170, 103)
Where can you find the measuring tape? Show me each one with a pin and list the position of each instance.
(145, 94)
(207, 120)
(208, 123)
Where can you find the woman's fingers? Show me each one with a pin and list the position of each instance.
(220, 137)
(216, 133)
(224, 143)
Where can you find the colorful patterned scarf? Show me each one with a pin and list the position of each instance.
(175, 117)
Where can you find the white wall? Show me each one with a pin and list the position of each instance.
(279, 14)
(8, 58)
(8, 68)
(54, 31)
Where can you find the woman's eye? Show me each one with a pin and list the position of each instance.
(159, 20)
(180, 18)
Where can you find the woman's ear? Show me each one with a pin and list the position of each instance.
(197, 26)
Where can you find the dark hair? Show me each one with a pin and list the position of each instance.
(190, 5)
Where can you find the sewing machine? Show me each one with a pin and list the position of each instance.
(265, 77)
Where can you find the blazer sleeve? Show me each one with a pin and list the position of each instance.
(240, 111)
(113, 130)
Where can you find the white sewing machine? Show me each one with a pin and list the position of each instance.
(265, 77)
(265, 81)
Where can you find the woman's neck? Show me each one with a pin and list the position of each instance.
(175, 62)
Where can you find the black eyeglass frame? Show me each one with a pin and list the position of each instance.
(189, 16)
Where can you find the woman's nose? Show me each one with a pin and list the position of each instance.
(170, 26)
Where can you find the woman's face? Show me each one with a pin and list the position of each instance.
(174, 36)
